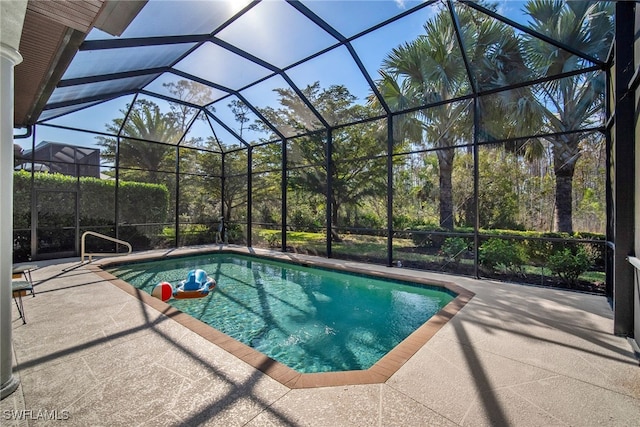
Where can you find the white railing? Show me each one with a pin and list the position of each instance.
(102, 236)
(634, 261)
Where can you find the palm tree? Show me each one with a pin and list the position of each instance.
(570, 103)
(426, 70)
(431, 69)
(145, 123)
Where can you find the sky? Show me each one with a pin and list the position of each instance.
(273, 31)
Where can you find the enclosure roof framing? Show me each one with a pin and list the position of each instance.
(244, 52)
(534, 33)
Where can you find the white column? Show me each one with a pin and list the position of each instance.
(12, 18)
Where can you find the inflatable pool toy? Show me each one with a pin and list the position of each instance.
(163, 291)
(197, 285)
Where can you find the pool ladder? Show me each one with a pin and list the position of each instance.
(102, 236)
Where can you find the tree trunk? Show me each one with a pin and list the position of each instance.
(227, 211)
(564, 167)
(445, 164)
(469, 207)
(334, 221)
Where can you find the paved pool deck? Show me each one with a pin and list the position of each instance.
(96, 354)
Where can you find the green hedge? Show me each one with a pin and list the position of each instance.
(539, 250)
(142, 203)
(139, 202)
(503, 255)
(424, 236)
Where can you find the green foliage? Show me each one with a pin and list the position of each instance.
(272, 237)
(529, 247)
(355, 176)
(145, 121)
(235, 234)
(369, 220)
(424, 236)
(190, 234)
(568, 265)
(304, 220)
(453, 248)
(21, 199)
(572, 102)
(596, 250)
(295, 238)
(142, 237)
(415, 190)
(234, 187)
(538, 250)
(401, 222)
(502, 254)
(430, 68)
(140, 203)
(498, 200)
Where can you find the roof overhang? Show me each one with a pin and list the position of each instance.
(51, 36)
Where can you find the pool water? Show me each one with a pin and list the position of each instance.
(310, 319)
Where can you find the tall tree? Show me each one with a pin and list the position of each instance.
(241, 113)
(190, 92)
(432, 69)
(144, 123)
(570, 103)
(354, 175)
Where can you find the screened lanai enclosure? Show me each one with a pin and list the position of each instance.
(466, 137)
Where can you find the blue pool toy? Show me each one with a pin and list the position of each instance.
(197, 285)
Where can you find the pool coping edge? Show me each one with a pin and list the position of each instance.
(380, 372)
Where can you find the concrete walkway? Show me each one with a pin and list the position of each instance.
(93, 355)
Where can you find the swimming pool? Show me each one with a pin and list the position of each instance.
(309, 319)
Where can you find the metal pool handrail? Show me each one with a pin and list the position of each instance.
(634, 261)
(102, 236)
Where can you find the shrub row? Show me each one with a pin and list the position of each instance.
(538, 246)
(139, 202)
(566, 260)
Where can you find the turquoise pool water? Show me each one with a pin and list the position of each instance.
(310, 319)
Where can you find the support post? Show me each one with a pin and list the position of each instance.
(176, 211)
(223, 185)
(283, 198)
(249, 195)
(116, 193)
(12, 19)
(33, 223)
(624, 176)
(329, 166)
(390, 143)
(476, 187)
